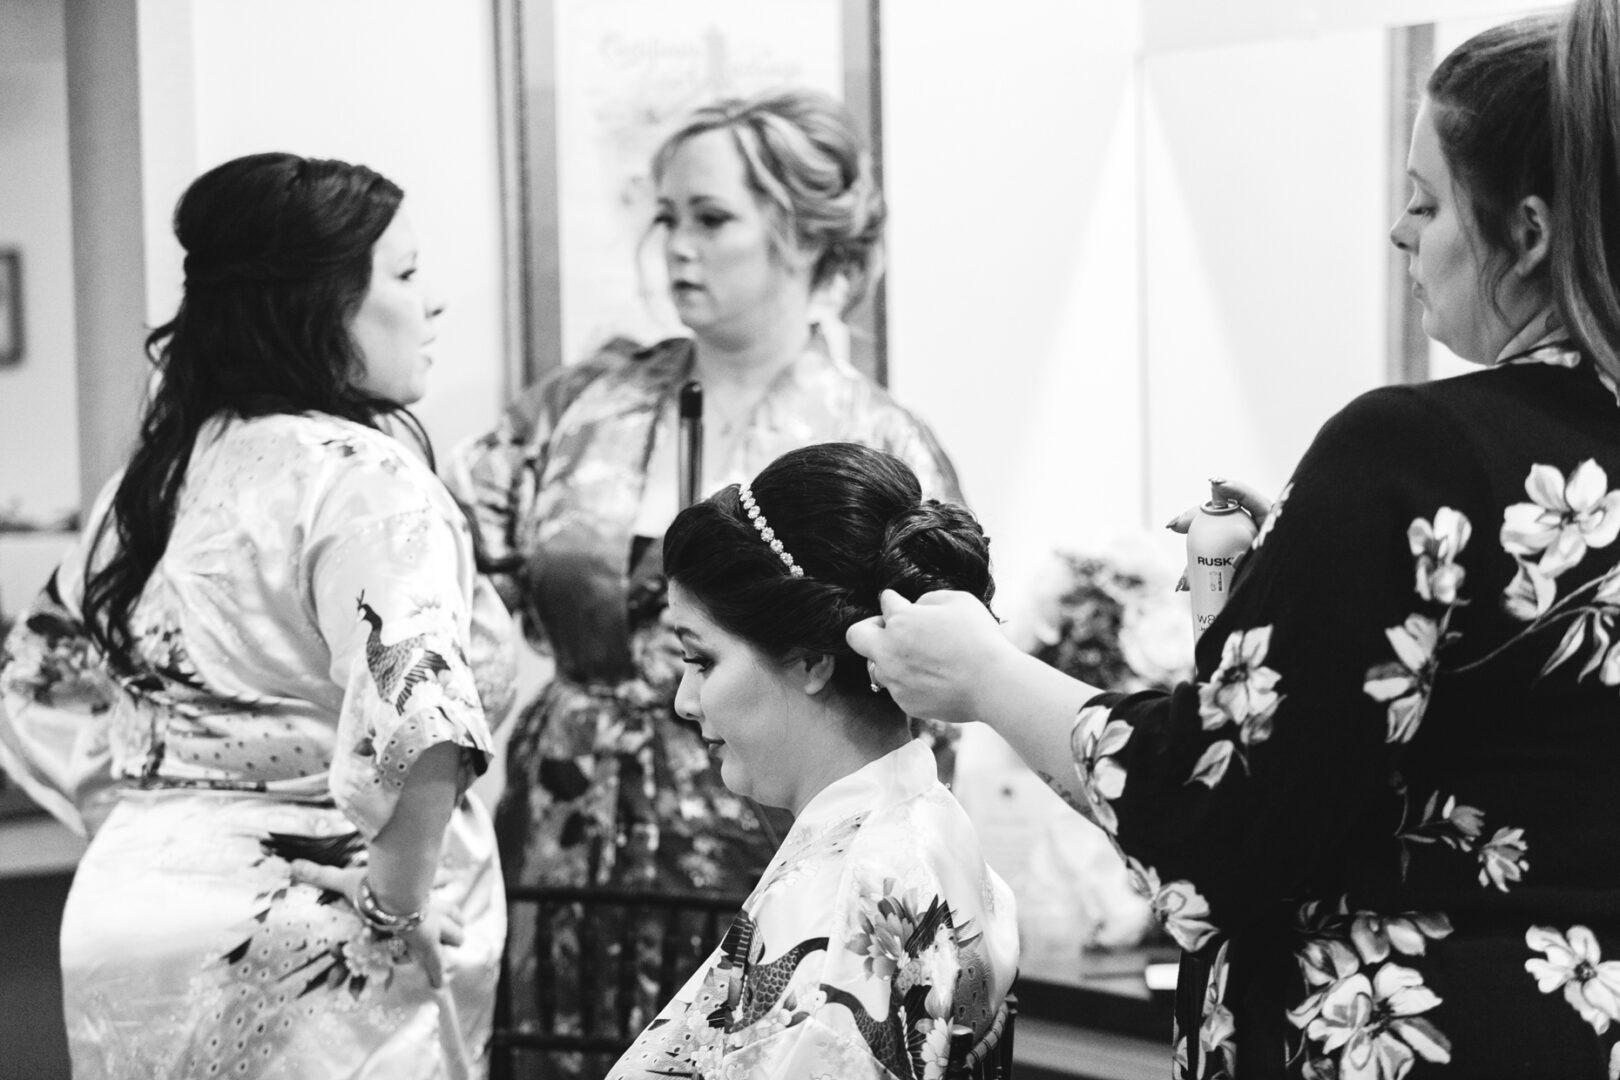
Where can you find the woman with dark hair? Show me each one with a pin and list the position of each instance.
(1381, 822)
(259, 682)
(764, 205)
(877, 925)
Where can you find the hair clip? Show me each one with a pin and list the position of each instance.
(766, 533)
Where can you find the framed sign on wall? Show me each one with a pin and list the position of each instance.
(588, 90)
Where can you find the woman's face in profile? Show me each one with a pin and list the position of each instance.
(726, 275)
(1446, 259)
(744, 704)
(393, 326)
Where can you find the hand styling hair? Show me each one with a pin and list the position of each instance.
(855, 521)
(278, 258)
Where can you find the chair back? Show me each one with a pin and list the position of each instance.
(634, 948)
(991, 1058)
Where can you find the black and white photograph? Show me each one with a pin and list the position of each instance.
(808, 539)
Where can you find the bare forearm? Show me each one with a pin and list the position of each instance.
(405, 854)
(1033, 705)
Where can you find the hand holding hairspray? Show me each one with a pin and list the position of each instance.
(1218, 536)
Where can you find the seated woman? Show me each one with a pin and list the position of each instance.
(877, 926)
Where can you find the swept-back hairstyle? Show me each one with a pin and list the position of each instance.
(1532, 107)
(1586, 216)
(805, 160)
(278, 258)
(855, 521)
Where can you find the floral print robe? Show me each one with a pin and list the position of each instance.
(604, 784)
(314, 625)
(1381, 823)
(876, 927)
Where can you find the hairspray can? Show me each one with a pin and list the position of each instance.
(1220, 533)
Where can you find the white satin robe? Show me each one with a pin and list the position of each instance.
(314, 624)
(874, 929)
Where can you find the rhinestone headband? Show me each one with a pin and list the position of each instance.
(766, 533)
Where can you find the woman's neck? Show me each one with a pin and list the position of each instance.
(1541, 326)
(749, 366)
(861, 744)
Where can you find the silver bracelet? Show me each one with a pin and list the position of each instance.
(380, 920)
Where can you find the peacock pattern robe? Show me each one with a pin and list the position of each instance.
(313, 626)
(876, 927)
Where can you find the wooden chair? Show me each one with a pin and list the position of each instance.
(687, 927)
(991, 1058)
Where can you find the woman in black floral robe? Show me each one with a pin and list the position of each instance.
(1380, 822)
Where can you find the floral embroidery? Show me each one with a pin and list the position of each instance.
(1501, 859)
(1242, 692)
(1217, 1032)
(1363, 1013)
(1178, 906)
(917, 948)
(1596, 621)
(1453, 825)
(48, 658)
(1375, 1026)
(1376, 936)
(1563, 518)
(1094, 741)
(1436, 546)
(1529, 594)
(1591, 984)
(1405, 684)
(1547, 537)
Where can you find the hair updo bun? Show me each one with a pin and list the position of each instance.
(854, 520)
(935, 545)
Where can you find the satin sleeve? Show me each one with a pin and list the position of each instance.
(390, 571)
(56, 699)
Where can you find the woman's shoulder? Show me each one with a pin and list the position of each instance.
(325, 460)
(1488, 408)
(619, 359)
(318, 438)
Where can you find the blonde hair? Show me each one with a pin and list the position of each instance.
(804, 159)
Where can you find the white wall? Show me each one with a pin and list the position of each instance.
(406, 87)
(1010, 166)
(1177, 24)
(1134, 244)
(39, 429)
(1264, 180)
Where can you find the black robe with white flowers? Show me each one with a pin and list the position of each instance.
(1384, 821)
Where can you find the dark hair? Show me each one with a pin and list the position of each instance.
(855, 520)
(805, 160)
(278, 258)
(1586, 216)
(1533, 108)
(1490, 105)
